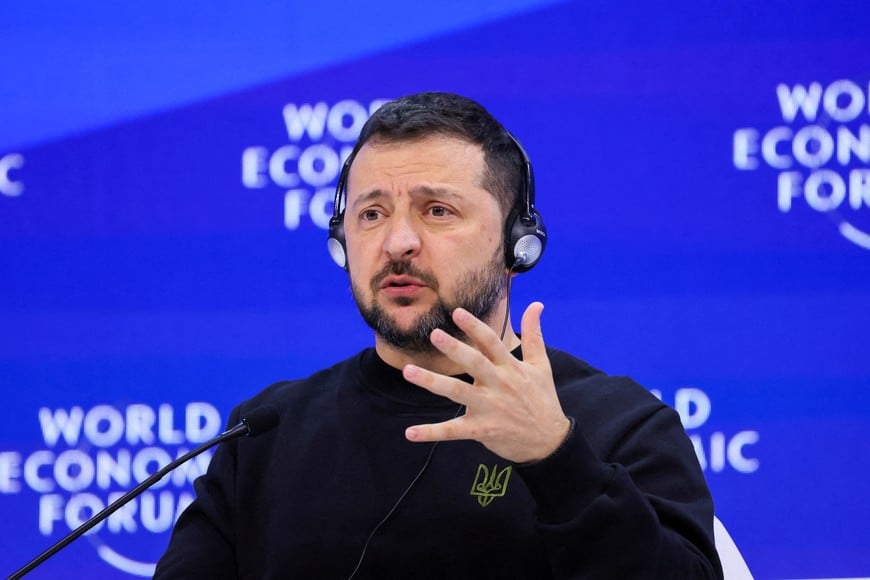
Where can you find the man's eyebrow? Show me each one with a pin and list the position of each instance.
(424, 191)
(427, 191)
(367, 197)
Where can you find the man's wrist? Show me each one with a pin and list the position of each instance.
(569, 432)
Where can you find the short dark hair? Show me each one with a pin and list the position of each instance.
(431, 113)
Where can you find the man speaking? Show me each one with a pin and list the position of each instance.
(455, 448)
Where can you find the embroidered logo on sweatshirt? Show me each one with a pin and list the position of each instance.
(490, 483)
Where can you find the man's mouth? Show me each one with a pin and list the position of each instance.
(402, 287)
(400, 282)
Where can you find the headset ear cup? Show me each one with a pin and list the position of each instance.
(525, 241)
(336, 243)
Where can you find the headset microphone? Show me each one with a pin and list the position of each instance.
(522, 259)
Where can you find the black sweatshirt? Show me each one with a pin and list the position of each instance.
(623, 497)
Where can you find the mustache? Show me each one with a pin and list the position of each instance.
(394, 268)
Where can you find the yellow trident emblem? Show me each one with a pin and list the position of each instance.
(490, 484)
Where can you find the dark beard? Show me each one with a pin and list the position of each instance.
(477, 292)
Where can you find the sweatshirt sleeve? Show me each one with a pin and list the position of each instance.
(624, 497)
(203, 540)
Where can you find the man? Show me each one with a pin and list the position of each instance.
(455, 448)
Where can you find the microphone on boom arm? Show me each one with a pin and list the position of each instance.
(255, 423)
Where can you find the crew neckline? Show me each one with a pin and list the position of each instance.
(388, 382)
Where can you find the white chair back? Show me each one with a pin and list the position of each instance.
(733, 564)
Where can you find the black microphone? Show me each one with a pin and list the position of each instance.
(256, 423)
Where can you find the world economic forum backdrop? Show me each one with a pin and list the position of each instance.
(166, 176)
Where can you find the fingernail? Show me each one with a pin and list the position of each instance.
(460, 314)
(410, 371)
(411, 433)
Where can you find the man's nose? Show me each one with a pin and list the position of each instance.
(402, 241)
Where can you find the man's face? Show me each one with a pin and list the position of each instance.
(423, 238)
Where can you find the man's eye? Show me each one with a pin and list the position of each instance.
(370, 215)
(439, 211)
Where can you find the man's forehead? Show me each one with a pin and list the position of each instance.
(449, 157)
(435, 141)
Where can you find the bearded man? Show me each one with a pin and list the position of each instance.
(455, 448)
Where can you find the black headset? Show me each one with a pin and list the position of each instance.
(525, 235)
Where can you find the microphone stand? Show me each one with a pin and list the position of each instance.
(241, 429)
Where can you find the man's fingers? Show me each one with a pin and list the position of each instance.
(534, 348)
(452, 430)
(482, 336)
(454, 389)
(469, 358)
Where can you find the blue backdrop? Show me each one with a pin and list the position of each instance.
(165, 178)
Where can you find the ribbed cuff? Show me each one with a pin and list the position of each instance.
(568, 436)
(567, 480)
